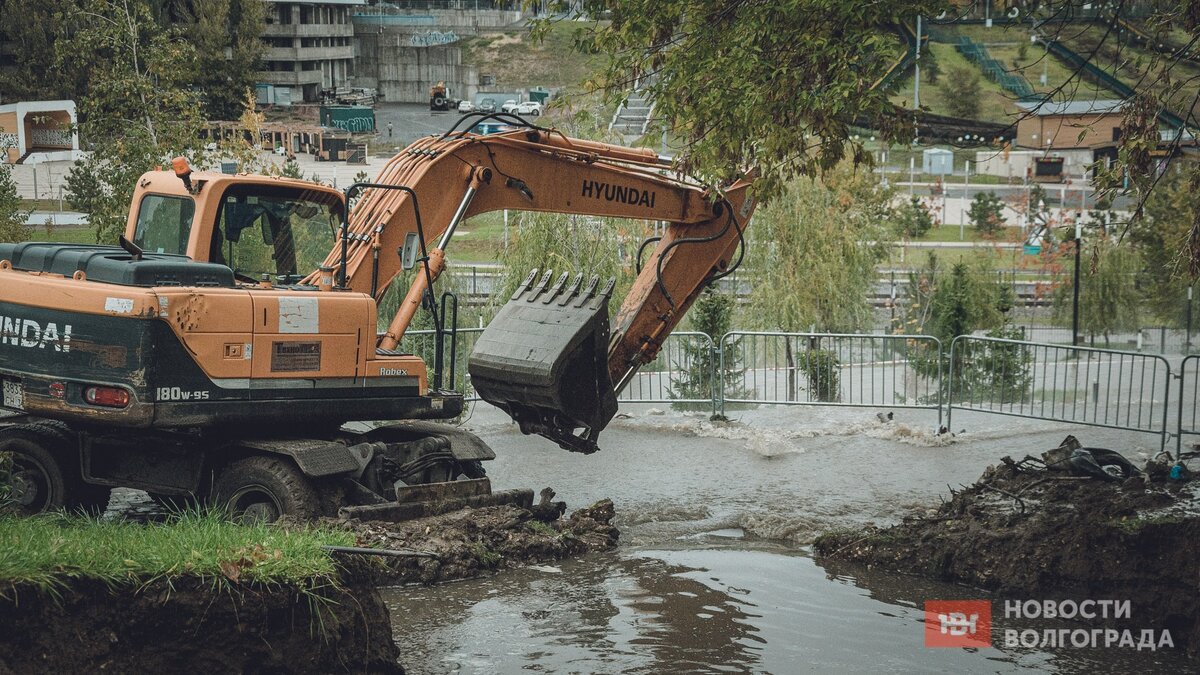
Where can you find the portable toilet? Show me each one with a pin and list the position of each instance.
(937, 162)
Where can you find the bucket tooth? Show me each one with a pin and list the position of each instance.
(572, 291)
(546, 363)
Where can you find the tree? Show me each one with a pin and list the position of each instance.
(711, 314)
(227, 36)
(912, 219)
(1109, 299)
(139, 110)
(1163, 239)
(29, 29)
(813, 252)
(962, 91)
(776, 85)
(987, 214)
(13, 218)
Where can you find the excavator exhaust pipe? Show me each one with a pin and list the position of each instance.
(544, 360)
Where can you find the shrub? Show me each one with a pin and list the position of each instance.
(823, 370)
(987, 213)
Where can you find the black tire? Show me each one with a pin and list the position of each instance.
(263, 489)
(535, 113)
(45, 471)
(472, 469)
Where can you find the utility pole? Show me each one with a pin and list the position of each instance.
(962, 213)
(917, 69)
(1075, 290)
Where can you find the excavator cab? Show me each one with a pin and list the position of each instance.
(543, 359)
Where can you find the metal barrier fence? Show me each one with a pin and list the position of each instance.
(684, 374)
(1189, 395)
(1079, 385)
(894, 371)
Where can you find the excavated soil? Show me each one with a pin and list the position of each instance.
(198, 626)
(474, 542)
(1035, 534)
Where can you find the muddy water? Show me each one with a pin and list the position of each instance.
(713, 574)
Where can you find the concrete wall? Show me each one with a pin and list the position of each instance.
(1016, 163)
(462, 21)
(403, 74)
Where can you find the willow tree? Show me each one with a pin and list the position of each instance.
(813, 252)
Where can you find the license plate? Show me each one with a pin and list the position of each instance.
(14, 395)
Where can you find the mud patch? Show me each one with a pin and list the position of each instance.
(1043, 535)
(474, 542)
(196, 625)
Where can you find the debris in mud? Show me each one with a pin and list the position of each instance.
(1051, 528)
(471, 542)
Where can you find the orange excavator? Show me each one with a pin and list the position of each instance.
(228, 349)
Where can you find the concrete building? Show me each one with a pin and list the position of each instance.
(310, 46)
(1070, 125)
(38, 131)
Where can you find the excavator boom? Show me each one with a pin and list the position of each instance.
(550, 358)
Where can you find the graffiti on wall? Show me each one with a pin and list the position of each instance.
(432, 38)
(354, 124)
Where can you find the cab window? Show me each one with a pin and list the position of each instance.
(280, 231)
(164, 224)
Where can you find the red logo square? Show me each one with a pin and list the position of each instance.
(958, 623)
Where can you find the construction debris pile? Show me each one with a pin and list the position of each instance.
(471, 542)
(1075, 522)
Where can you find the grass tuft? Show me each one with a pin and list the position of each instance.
(49, 550)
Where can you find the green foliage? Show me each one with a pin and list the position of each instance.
(227, 35)
(29, 29)
(822, 369)
(994, 371)
(574, 244)
(711, 314)
(1109, 299)
(5, 479)
(139, 110)
(813, 251)
(912, 219)
(986, 213)
(963, 92)
(13, 218)
(291, 169)
(770, 84)
(1163, 238)
(46, 550)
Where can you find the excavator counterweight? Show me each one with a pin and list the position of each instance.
(543, 359)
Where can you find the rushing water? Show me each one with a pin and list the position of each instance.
(714, 574)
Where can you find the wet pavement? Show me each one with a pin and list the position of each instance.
(714, 572)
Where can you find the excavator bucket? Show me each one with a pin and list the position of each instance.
(544, 360)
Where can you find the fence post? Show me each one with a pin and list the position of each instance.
(719, 385)
(718, 374)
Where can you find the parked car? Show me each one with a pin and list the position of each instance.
(465, 106)
(487, 105)
(529, 108)
(509, 106)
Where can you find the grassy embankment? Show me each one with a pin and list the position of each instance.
(49, 551)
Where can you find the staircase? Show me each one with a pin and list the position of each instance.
(632, 116)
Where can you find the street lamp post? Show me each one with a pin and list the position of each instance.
(1075, 290)
(962, 217)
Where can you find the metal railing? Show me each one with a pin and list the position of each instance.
(683, 373)
(894, 371)
(1189, 395)
(1107, 388)
(1078, 385)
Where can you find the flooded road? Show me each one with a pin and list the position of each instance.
(713, 573)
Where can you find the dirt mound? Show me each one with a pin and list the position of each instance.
(1028, 533)
(196, 625)
(472, 542)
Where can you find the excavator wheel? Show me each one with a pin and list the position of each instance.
(45, 473)
(262, 489)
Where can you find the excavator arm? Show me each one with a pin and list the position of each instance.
(549, 358)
